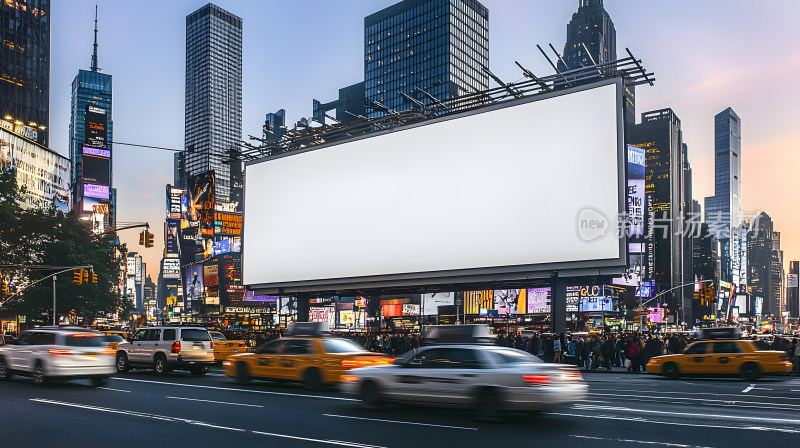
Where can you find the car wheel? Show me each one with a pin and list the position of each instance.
(750, 371)
(489, 405)
(242, 373)
(671, 370)
(371, 395)
(38, 374)
(99, 382)
(160, 365)
(122, 363)
(5, 374)
(312, 379)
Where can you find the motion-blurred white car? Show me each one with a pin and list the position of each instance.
(489, 379)
(59, 352)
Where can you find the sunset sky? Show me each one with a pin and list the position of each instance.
(706, 56)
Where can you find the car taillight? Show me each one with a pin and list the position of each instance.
(536, 379)
(176, 347)
(364, 362)
(212, 344)
(109, 351)
(59, 352)
(783, 359)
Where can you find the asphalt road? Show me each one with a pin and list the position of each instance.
(139, 409)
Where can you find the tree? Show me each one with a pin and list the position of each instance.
(30, 237)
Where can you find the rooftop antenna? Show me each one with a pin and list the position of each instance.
(94, 54)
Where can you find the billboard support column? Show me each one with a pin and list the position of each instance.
(558, 313)
(303, 306)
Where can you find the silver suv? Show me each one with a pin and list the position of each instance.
(167, 348)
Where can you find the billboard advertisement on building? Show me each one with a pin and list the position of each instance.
(230, 278)
(171, 238)
(96, 191)
(45, 174)
(171, 268)
(96, 121)
(229, 224)
(193, 282)
(635, 196)
(211, 275)
(538, 300)
(174, 201)
(96, 170)
(505, 301)
(432, 302)
(295, 203)
(201, 203)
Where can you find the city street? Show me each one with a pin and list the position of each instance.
(622, 410)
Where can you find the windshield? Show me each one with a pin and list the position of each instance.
(217, 336)
(506, 357)
(195, 335)
(85, 340)
(340, 346)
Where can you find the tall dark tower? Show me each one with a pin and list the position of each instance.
(592, 27)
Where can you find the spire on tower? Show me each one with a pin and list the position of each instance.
(94, 54)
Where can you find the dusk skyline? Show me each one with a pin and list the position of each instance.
(702, 62)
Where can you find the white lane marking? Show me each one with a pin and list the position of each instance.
(661, 422)
(749, 388)
(701, 393)
(682, 414)
(198, 423)
(772, 405)
(643, 442)
(401, 422)
(331, 442)
(216, 402)
(115, 390)
(726, 403)
(263, 392)
(214, 374)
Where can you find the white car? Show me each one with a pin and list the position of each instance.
(488, 378)
(58, 352)
(167, 348)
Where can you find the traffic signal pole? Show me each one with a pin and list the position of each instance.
(53, 276)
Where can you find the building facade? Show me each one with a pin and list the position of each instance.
(438, 46)
(25, 66)
(760, 264)
(213, 96)
(793, 290)
(723, 211)
(660, 135)
(592, 27)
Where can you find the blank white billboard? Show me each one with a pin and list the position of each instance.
(537, 183)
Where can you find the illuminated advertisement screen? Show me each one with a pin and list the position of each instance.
(88, 151)
(573, 299)
(538, 300)
(95, 127)
(505, 301)
(211, 275)
(96, 191)
(171, 268)
(193, 282)
(97, 170)
(601, 303)
(432, 302)
(201, 203)
(171, 238)
(298, 205)
(227, 224)
(635, 194)
(174, 199)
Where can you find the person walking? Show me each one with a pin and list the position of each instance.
(606, 351)
(635, 354)
(556, 350)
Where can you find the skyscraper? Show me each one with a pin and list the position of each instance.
(793, 289)
(760, 263)
(590, 26)
(723, 211)
(213, 95)
(439, 46)
(90, 148)
(25, 67)
(660, 135)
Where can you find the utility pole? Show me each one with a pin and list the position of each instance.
(54, 301)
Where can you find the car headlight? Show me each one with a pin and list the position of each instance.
(226, 363)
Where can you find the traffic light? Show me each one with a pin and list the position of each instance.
(141, 238)
(85, 274)
(94, 278)
(77, 277)
(148, 242)
(3, 288)
(698, 294)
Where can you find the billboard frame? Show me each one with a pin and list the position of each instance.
(421, 281)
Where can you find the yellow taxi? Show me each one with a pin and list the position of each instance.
(720, 356)
(315, 361)
(114, 337)
(223, 348)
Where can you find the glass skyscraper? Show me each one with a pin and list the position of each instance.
(439, 46)
(723, 211)
(213, 95)
(25, 65)
(591, 26)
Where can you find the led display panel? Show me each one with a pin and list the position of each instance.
(524, 186)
